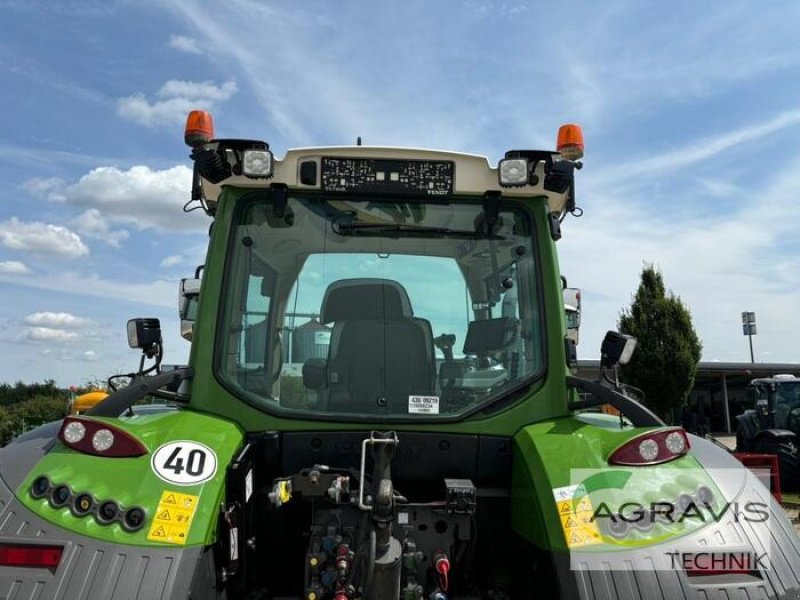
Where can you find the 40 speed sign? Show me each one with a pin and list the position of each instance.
(184, 462)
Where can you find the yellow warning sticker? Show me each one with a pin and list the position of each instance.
(568, 522)
(575, 512)
(173, 517)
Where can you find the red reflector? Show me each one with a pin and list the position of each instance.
(30, 556)
(765, 467)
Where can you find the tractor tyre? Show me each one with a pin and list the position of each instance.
(788, 453)
(742, 441)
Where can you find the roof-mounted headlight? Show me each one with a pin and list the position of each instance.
(513, 171)
(257, 163)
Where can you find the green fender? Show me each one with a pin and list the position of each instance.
(133, 482)
(552, 457)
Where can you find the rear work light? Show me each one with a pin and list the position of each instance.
(100, 439)
(257, 163)
(513, 171)
(652, 448)
(46, 557)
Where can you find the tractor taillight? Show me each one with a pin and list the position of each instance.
(652, 448)
(100, 439)
(46, 557)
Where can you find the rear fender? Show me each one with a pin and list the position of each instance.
(22, 453)
(783, 435)
(178, 511)
(551, 458)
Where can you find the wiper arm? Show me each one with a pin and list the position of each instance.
(407, 230)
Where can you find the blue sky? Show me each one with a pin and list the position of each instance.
(691, 117)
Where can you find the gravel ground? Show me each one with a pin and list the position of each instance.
(792, 514)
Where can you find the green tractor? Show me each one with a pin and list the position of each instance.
(380, 405)
(772, 426)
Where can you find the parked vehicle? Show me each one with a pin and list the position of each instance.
(772, 426)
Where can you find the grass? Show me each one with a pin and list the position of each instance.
(791, 497)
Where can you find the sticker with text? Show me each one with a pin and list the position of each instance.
(184, 463)
(423, 405)
(575, 512)
(172, 518)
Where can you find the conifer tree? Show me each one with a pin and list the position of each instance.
(668, 349)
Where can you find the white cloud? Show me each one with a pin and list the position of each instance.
(45, 187)
(703, 149)
(443, 103)
(89, 356)
(56, 320)
(720, 265)
(92, 224)
(140, 196)
(63, 354)
(160, 293)
(175, 99)
(48, 334)
(171, 261)
(186, 44)
(203, 91)
(357, 99)
(14, 267)
(41, 238)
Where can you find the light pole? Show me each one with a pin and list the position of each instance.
(749, 329)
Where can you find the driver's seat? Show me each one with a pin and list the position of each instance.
(379, 353)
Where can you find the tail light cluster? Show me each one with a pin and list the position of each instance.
(100, 439)
(652, 448)
(619, 525)
(84, 504)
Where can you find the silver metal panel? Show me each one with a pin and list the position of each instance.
(647, 573)
(90, 569)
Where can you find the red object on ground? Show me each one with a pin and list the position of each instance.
(759, 464)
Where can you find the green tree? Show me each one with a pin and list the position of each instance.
(24, 416)
(668, 350)
(19, 392)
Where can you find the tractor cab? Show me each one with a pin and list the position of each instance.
(776, 402)
(360, 284)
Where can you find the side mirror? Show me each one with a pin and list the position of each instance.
(617, 349)
(188, 298)
(572, 308)
(146, 335)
